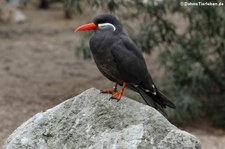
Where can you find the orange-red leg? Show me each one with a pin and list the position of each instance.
(117, 95)
(114, 90)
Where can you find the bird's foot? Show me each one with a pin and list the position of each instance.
(114, 90)
(109, 91)
(117, 95)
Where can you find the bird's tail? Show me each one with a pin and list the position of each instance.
(165, 100)
(158, 100)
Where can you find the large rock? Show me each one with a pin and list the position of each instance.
(91, 121)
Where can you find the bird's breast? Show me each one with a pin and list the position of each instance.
(107, 67)
(101, 51)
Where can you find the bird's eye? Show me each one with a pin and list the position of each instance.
(106, 25)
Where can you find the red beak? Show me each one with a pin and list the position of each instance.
(90, 26)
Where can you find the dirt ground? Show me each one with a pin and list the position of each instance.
(39, 69)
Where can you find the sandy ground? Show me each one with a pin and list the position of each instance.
(38, 70)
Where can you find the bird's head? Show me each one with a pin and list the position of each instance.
(102, 22)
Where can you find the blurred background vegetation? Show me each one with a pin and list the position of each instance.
(192, 57)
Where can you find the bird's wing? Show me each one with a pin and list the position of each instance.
(131, 64)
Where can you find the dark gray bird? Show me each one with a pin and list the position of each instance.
(118, 58)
